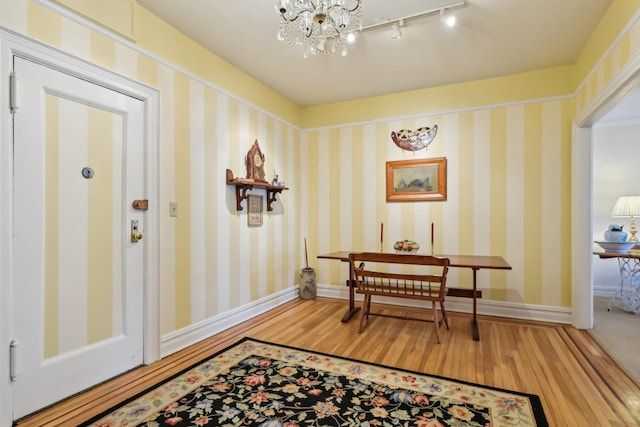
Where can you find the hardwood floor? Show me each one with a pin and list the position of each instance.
(579, 385)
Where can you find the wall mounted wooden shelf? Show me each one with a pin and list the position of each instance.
(243, 185)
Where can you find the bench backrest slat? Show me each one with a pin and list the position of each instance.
(372, 275)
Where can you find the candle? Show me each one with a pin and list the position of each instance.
(432, 234)
(432, 238)
(381, 228)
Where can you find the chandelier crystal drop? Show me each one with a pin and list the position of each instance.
(318, 26)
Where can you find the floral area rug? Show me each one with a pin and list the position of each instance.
(255, 383)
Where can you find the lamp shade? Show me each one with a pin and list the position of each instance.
(627, 206)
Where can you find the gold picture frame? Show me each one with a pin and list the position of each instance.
(417, 180)
(254, 210)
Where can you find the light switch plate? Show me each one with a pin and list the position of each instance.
(173, 209)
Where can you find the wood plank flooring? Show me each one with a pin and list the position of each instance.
(579, 385)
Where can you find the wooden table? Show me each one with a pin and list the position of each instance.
(474, 262)
(627, 295)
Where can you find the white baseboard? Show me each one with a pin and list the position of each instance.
(192, 334)
(465, 305)
(604, 291)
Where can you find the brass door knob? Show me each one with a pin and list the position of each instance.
(136, 235)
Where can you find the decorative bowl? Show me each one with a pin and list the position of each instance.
(400, 251)
(406, 247)
(620, 247)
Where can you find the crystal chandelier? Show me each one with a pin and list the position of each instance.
(318, 26)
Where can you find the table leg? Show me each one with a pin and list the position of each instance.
(627, 295)
(474, 320)
(352, 300)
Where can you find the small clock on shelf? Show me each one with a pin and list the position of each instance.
(255, 163)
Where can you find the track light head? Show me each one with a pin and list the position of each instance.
(447, 17)
(395, 29)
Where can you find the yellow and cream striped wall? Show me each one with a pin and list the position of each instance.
(508, 193)
(211, 261)
(614, 44)
(507, 142)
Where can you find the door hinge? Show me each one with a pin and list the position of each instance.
(13, 359)
(13, 92)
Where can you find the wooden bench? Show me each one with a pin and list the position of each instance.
(386, 274)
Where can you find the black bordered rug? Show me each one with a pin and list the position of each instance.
(256, 383)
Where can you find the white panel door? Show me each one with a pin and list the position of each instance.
(78, 279)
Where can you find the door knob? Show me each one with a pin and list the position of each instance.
(136, 235)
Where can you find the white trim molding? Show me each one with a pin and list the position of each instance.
(196, 332)
(192, 334)
(539, 313)
(625, 82)
(604, 291)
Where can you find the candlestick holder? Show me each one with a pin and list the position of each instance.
(381, 246)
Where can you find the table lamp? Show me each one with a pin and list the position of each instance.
(628, 206)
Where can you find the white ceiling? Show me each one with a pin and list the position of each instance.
(493, 38)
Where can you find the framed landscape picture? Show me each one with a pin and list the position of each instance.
(416, 180)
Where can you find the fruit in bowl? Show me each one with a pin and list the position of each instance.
(406, 246)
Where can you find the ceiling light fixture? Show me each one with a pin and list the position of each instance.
(447, 17)
(446, 8)
(395, 29)
(318, 26)
(323, 26)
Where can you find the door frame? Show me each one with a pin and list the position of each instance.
(620, 87)
(12, 44)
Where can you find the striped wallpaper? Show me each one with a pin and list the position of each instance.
(624, 48)
(508, 182)
(508, 195)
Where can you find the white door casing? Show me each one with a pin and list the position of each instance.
(13, 315)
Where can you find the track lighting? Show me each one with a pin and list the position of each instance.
(326, 26)
(395, 29)
(445, 12)
(447, 17)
